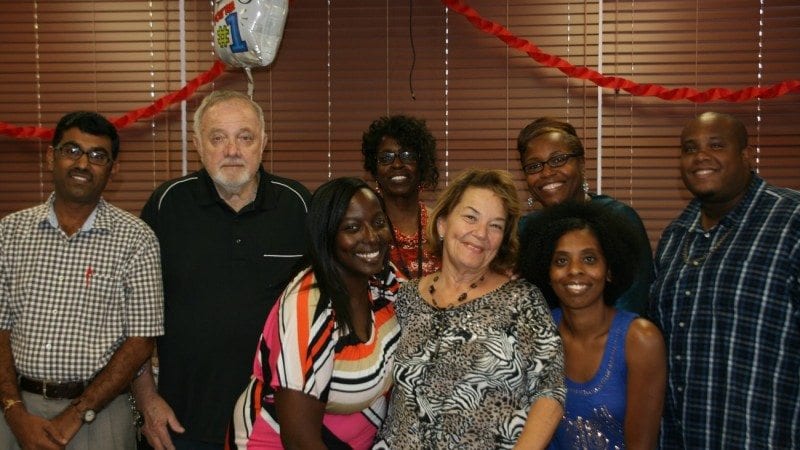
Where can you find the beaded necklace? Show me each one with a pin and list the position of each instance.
(461, 297)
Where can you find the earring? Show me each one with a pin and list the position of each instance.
(585, 186)
(378, 189)
(530, 202)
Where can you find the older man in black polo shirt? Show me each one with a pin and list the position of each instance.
(230, 235)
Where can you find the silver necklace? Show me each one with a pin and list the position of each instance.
(695, 262)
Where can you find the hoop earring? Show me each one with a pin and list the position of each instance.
(530, 202)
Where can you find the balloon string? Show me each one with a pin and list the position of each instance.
(250, 84)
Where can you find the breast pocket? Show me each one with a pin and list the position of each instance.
(102, 307)
(276, 268)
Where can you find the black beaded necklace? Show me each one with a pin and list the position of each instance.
(460, 299)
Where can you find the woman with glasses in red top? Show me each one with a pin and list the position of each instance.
(400, 153)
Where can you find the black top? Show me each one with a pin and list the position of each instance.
(222, 271)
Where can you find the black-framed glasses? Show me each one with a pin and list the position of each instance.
(553, 161)
(406, 157)
(74, 152)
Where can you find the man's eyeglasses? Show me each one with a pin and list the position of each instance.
(406, 157)
(554, 161)
(75, 152)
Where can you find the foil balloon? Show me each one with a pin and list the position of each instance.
(247, 33)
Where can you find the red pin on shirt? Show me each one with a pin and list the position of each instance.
(89, 273)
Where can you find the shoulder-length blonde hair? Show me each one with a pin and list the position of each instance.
(502, 185)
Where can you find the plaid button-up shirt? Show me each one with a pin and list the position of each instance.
(728, 301)
(70, 301)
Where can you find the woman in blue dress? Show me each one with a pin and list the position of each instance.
(579, 254)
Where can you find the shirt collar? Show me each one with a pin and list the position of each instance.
(206, 192)
(755, 187)
(95, 220)
(690, 219)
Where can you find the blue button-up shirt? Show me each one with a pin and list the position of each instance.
(728, 302)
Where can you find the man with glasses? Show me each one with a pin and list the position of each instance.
(230, 235)
(80, 302)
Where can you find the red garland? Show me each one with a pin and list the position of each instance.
(489, 27)
(617, 83)
(131, 117)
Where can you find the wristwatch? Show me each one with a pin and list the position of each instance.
(87, 415)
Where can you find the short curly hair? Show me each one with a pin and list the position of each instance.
(411, 133)
(501, 184)
(544, 125)
(542, 232)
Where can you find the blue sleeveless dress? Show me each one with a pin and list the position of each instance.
(594, 413)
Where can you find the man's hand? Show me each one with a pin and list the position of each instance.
(157, 417)
(34, 432)
(67, 423)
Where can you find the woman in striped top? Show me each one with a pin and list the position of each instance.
(323, 364)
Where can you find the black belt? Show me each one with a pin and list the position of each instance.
(57, 391)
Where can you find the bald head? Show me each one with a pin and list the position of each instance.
(733, 125)
(715, 162)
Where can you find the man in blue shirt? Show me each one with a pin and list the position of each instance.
(727, 297)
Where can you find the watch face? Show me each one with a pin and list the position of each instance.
(88, 416)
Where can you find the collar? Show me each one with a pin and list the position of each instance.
(690, 219)
(97, 218)
(206, 193)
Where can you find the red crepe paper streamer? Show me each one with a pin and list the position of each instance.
(618, 83)
(131, 117)
(489, 27)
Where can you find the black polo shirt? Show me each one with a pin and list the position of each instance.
(222, 271)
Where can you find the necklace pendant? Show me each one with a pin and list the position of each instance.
(460, 299)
